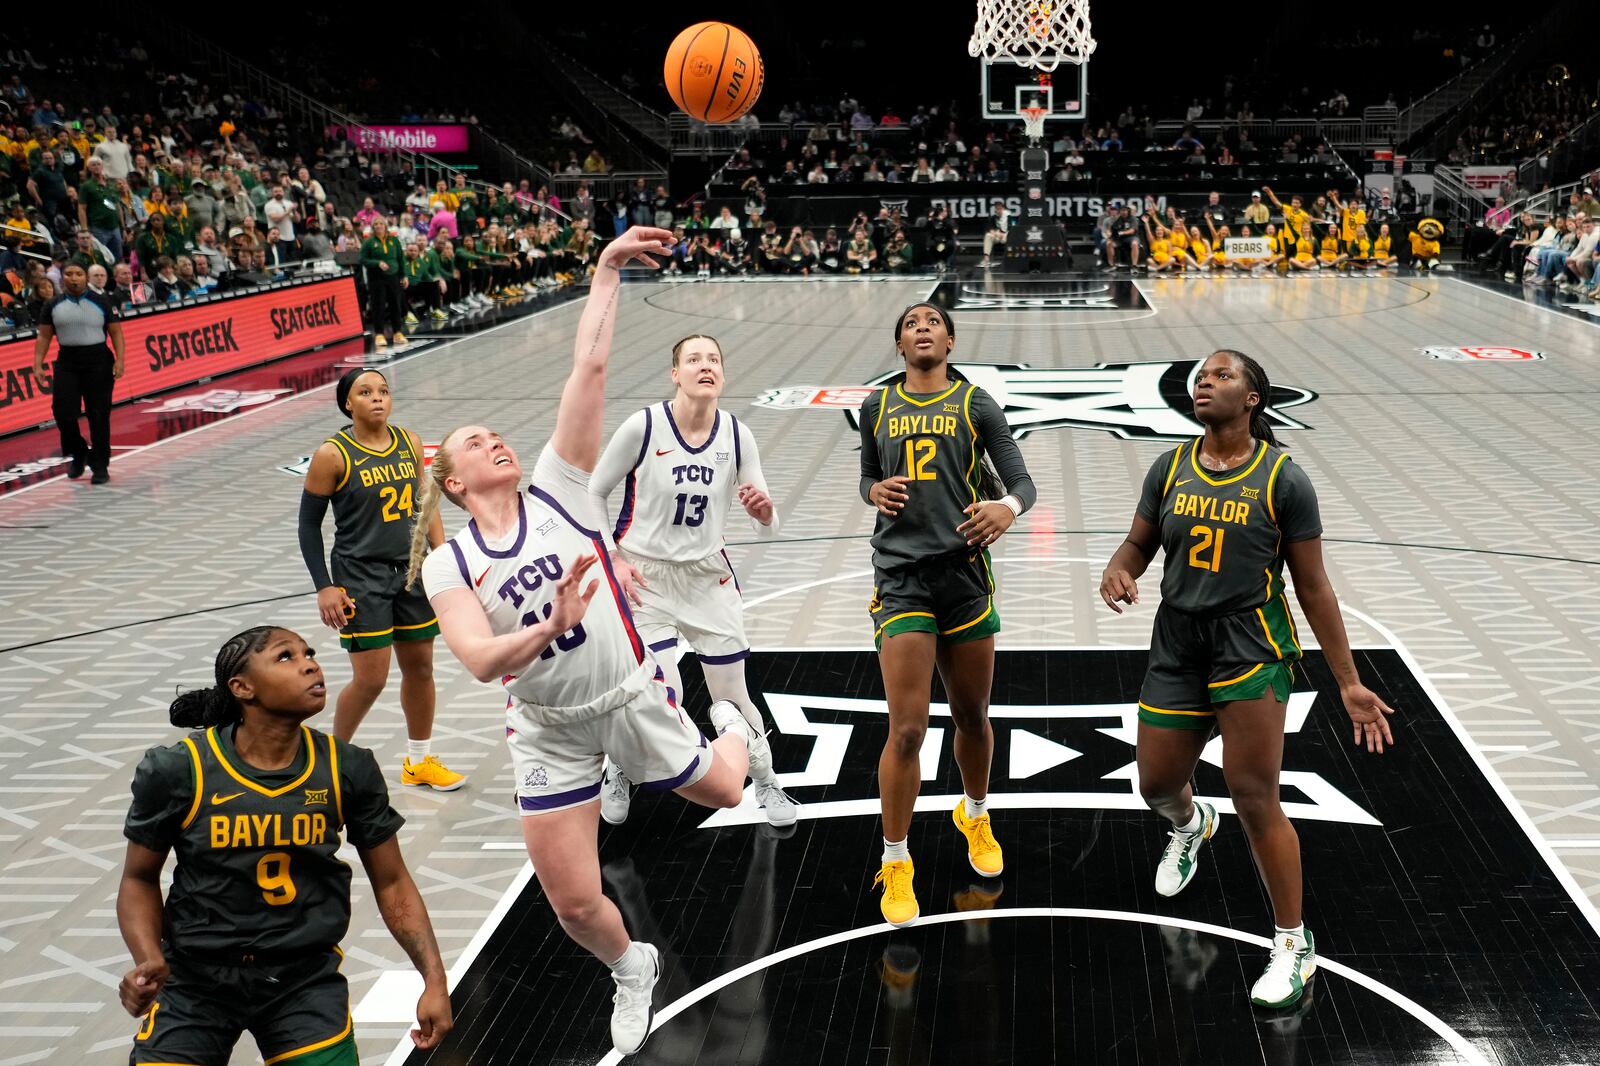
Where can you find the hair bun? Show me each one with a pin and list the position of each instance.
(188, 711)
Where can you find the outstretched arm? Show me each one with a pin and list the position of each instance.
(583, 400)
(406, 915)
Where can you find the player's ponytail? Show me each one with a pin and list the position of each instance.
(432, 491)
(215, 704)
(1256, 377)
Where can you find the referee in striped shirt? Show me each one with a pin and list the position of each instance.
(86, 369)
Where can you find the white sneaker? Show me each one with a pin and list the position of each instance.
(781, 809)
(725, 715)
(1290, 967)
(614, 795)
(631, 1008)
(1181, 858)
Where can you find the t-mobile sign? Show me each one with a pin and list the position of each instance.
(411, 138)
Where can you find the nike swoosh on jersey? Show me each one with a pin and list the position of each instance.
(479, 583)
(724, 580)
(892, 410)
(217, 801)
(665, 451)
(1185, 481)
(362, 461)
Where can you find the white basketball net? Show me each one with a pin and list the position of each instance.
(1033, 33)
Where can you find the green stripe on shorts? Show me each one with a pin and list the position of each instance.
(1253, 684)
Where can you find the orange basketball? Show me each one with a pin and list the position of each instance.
(713, 72)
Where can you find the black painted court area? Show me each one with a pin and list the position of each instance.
(1445, 902)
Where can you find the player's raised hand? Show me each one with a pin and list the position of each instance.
(570, 605)
(638, 243)
(757, 504)
(987, 519)
(890, 494)
(1368, 717)
(434, 1019)
(1118, 586)
(629, 578)
(141, 985)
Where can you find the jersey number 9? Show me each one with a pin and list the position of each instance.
(272, 875)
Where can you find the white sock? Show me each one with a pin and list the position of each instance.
(1298, 934)
(895, 851)
(975, 808)
(632, 962)
(1195, 822)
(417, 750)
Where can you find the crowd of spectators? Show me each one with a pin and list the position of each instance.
(1537, 109)
(204, 193)
(1554, 245)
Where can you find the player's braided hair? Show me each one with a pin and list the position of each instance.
(215, 705)
(432, 491)
(990, 487)
(1256, 377)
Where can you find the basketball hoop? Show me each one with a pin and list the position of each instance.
(1033, 122)
(1033, 33)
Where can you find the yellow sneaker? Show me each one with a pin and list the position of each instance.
(983, 851)
(399, 338)
(432, 773)
(899, 903)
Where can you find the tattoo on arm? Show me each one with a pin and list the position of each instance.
(600, 326)
(407, 918)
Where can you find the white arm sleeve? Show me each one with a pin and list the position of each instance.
(750, 472)
(620, 457)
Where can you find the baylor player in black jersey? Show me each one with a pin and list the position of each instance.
(1229, 509)
(252, 802)
(923, 443)
(372, 472)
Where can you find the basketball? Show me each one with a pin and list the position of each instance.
(713, 72)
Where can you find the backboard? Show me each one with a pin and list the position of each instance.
(1007, 88)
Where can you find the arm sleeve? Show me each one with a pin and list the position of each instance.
(620, 457)
(312, 510)
(995, 432)
(871, 467)
(368, 818)
(163, 791)
(1154, 487)
(750, 471)
(1294, 502)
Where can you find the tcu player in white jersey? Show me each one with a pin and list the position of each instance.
(513, 604)
(685, 462)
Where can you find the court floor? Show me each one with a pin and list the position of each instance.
(1461, 509)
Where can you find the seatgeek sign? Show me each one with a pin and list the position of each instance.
(166, 349)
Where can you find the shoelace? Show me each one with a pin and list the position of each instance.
(985, 841)
(896, 883)
(1282, 959)
(1175, 846)
(772, 794)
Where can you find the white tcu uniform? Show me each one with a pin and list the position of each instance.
(670, 526)
(593, 692)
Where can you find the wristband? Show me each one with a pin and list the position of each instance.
(1013, 503)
